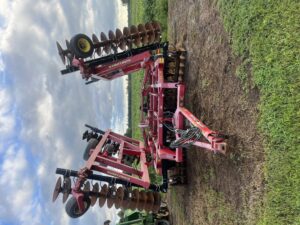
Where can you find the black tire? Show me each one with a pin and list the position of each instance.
(72, 208)
(91, 145)
(162, 222)
(82, 46)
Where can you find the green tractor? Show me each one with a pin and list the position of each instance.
(142, 218)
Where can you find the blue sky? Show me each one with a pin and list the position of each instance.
(42, 113)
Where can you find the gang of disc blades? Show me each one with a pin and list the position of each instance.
(57, 189)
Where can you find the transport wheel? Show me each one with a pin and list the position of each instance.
(162, 222)
(82, 46)
(72, 208)
(91, 145)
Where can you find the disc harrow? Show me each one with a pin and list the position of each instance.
(119, 197)
(83, 47)
(120, 163)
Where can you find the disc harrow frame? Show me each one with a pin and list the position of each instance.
(163, 117)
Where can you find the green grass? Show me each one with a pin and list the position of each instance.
(266, 35)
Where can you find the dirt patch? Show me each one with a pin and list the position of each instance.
(222, 189)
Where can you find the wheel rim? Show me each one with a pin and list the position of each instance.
(84, 45)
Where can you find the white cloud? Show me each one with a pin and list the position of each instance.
(7, 120)
(45, 115)
(2, 66)
(17, 189)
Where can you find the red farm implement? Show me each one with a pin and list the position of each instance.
(120, 162)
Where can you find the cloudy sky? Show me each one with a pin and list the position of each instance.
(41, 112)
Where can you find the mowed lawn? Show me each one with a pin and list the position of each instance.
(266, 35)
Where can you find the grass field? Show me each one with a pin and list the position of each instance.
(266, 35)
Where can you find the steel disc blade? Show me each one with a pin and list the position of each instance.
(104, 190)
(68, 45)
(133, 31)
(157, 201)
(119, 197)
(119, 34)
(157, 198)
(143, 196)
(142, 200)
(103, 37)
(94, 195)
(131, 205)
(66, 188)
(150, 32)
(95, 39)
(157, 37)
(126, 32)
(87, 187)
(97, 43)
(103, 193)
(110, 202)
(126, 199)
(143, 34)
(57, 189)
(102, 201)
(135, 195)
(135, 35)
(113, 41)
(69, 54)
(150, 202)
(156, 26)
(140, 206)
(105, 42)
(122, 44)
(127, 37)
(120, 39)
(111, 196)
(111, 36)
(61, 53)
(134, 199)
(125, 204)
